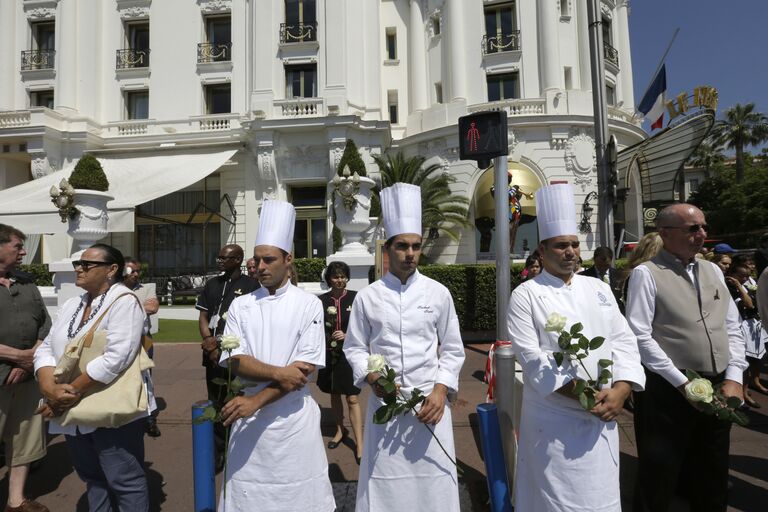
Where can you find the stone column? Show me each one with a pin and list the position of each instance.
(458, 44)
(582, 27)
(417, 58)
(626, 93)
(9, 55)
(549, 51)
(65, 95)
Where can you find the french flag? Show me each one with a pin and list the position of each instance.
(653, 103)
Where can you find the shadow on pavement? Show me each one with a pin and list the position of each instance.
(53, 468)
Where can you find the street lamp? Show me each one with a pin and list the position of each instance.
(586, 213)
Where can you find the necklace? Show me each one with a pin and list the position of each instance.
(70, 333)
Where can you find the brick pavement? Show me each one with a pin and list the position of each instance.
(179, 382)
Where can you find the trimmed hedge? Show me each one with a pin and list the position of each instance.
(40, 272)
(309, 270)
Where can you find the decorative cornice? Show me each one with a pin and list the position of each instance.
(133, 9)
(40, 10)
(215, 6)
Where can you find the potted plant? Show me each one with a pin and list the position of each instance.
(82, 201)
(352, 199)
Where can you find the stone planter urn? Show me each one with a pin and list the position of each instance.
(89, 224)
(352, 204)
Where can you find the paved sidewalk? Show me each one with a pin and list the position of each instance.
(179, 382)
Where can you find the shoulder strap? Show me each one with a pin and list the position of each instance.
(88, 338)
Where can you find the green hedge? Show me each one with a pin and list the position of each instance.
(309, 269)
(40, 271)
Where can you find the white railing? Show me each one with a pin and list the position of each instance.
(207, 123)
(216, 122)
(300, 107)
(132, 127)
(622, 115)
(15, 118)
(526, 107)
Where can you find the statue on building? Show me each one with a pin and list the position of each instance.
(516, 216)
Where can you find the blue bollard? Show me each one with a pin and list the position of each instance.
(493, 454)
(202, 460)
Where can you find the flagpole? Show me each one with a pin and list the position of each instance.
(661, 62)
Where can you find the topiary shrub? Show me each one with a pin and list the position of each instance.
(89, 175)
(351, 158)
(40, 273)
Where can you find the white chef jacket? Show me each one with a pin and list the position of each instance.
(414, 326)
(568, 459)
(124, 323)
(276, 458)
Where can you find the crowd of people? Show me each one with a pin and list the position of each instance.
(674, 307)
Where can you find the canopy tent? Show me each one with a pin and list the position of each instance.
(133, 180)
(660, 159)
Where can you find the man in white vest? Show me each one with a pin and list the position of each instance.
(684, 319)
(276, 458)
(568, 458)
(410, 320)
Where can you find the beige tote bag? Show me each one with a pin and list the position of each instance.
(104, 405)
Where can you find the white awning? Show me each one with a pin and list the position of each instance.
(133, 180)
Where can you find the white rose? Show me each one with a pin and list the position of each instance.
(376, 363)
(555, 323)
(331, 310)
(699, 390)
(229, 342)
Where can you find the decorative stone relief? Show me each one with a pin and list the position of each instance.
(215, 6)
(335, 152)
(40, 10)
(435, 16)
(606, 8)
(133, 9)
(580, 158)
(40, 166)
(266, 172)
(511, 140)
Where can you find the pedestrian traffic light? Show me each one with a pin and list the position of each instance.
(483, 136)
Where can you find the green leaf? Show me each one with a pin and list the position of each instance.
(564, 340)
(391, 375)
(382, 415)
(582, 356)
(576, 328)
(558, 358)
(591, 402)
(579, 387)
(390, 399)
(583, 343)
(209, 414)
(739, 418)
(237, 386)
(584, 401)
(605, 374)
(733, 402)
(604, 363)
(596, 342)
(219, 381)
(692, 375)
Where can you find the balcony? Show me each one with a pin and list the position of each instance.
(501, 43)
(132, 59)
(300, 107)
(214, 52)
(516, 107)
(611, 57)
(291, 33)
(37, 59)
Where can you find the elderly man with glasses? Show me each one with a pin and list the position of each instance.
(213, 303)
(684, 319)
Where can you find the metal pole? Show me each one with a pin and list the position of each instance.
(605, 194)
(502, 246)
(490, 439)
(505, 396)
(203, 460)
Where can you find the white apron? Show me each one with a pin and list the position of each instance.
(755, 337)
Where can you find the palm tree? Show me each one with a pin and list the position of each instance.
(741, 127)
(443, 211)
(706, 155)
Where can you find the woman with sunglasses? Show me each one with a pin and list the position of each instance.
(109, 460)
(336, 377)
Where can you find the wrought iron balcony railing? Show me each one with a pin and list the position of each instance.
(298, 32)
(37, 59)
(611, 54)
(131, 58)
(214, 52)
(501, 42)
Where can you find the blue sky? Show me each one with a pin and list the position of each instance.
(722, 43)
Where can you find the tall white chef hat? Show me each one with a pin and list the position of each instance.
(401, 208)
(276, 224)
(556, 211)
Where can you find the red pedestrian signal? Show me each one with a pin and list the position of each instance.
(483, 136)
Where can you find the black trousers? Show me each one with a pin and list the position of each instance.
(217, 394)
(678, 448)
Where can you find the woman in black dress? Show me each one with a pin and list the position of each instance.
(336, 377)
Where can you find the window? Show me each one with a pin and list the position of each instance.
(311, 228)
(300, 21)
(391, 43)
(301, 81)
(610, 94)
(438, 92)
(218, 40)
(218, 98)
(44, 36)
(392, 104)
(694, 185)
(435, 25)
(41, 99)
(503, 87)
(501, 32)
(564, 11)
(568, 78)
(136, 52)
(137, 104)
(42, 54)
(607, 38)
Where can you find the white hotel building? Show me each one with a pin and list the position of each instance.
(217, 105)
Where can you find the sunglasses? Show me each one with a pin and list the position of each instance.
(86, 265)
(693, 228)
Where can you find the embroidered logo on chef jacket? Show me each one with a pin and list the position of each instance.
(603, 299)
(426, 309)
(239, 291)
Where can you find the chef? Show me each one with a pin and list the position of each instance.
(276, 458)
(568, 458)
(410, 320)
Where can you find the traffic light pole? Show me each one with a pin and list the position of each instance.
(501, 235)
(604, 178)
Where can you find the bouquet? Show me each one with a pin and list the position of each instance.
(332, 325)
(394, 401)
(711, 401)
